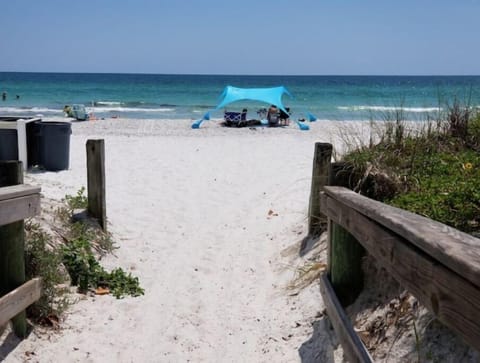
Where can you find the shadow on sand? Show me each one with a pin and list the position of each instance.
(308, 244)
(321, 345)
(8, 344)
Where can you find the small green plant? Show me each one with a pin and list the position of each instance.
(43, 260)
(78, 254)
(86, 272)
(120, 283)
(101, 241)
(78, 201)
(80, 262)
(85, 228)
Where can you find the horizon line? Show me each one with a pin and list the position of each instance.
(254, 75)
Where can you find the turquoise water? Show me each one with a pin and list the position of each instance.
(149, 96)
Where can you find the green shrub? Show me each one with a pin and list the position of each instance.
(78, 256)
(446, 188)
(87, 229)
(474, 132)
(435, 174)
(43, 260)
(78, 201)
(86, 272)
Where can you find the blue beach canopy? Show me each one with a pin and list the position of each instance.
(271, 95)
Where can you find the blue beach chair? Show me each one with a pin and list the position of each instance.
(234, 118)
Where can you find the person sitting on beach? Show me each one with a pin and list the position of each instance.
(262, 113)
(67, 110)
(272, 116)
(243, 115)
(284, 117)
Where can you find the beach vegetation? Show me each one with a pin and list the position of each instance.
(433, 171)
(68, 253)
(305, 275)
(429, 167)
(84, 241)
(86, 272)
(77, 201)
(83, 228)
(43, 260)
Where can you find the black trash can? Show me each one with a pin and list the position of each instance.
(33, 143)
(8, 144)
(54, 145)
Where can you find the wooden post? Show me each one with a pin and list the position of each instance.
(320, 175)
(345, 254)
(96, 181)
(12, 250)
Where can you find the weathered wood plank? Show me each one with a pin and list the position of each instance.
(353, 347)
(16, 191)
(454, 249)
(452, 298)
(345, 271)
(320, 175)
(97, 206)
(16, 209)
(12, 239)
(19, 299)
(345, 254)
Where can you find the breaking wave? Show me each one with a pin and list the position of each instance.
(130, 109)
(389, 108)
(13, 110)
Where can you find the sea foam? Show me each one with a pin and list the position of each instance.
(389, 108)
(6, 110)
(130, 109)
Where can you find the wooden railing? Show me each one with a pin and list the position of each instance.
(17, 202)
(438, 264)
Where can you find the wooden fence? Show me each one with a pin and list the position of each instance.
(438, 264)
(17, 202)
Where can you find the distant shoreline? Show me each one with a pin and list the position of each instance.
(248, 75)
(167, 96)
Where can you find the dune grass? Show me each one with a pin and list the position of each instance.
(434, 171)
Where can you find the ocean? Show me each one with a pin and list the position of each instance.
(151, 96)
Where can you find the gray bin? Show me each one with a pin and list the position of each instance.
(8, 144)
(33, 143)
(54, 145)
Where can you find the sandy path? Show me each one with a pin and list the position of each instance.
(190, 215)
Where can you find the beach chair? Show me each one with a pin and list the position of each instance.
(235, 118)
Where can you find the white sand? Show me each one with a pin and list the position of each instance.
(189, 211)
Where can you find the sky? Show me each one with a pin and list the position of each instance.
(279, 37)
